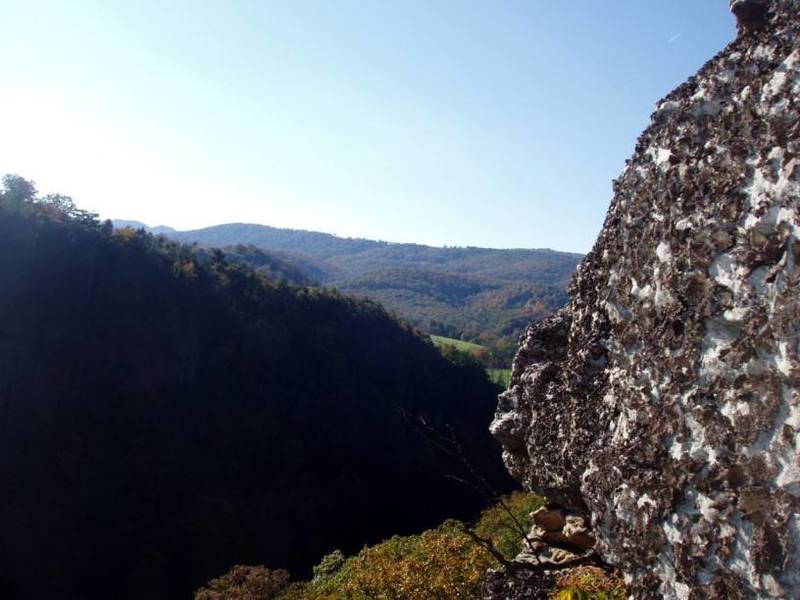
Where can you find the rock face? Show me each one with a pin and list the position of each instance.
(663, 401)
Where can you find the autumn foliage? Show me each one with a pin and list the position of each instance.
(445, 563)
(245, 583)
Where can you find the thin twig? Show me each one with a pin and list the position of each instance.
(452, 447)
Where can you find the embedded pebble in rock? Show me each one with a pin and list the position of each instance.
(577, 533)
(549, 520)
(662, 403)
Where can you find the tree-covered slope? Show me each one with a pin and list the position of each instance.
(359, 256)
(472, 307)
(165, 413)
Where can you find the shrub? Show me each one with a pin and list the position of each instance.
(589, 583)
(442, 563)
(245, 583)
(329, 565)
(507, 533)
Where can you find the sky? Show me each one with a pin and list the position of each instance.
(444, 122)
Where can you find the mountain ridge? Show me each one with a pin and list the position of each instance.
(118, 222)
(464, 292)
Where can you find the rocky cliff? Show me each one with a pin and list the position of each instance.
(662, 404)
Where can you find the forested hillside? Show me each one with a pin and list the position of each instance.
(478, 294)
(166, 413)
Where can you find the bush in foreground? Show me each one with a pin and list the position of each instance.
(445, 563)
(506, 523)
(589, 583)
(245, 583)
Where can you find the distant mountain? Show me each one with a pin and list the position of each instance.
(477, 293)
(159, 229)
(357, 256)
(311, 243)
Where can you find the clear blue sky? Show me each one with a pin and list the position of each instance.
(443, 122)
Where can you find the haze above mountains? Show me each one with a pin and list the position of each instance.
(477, 294)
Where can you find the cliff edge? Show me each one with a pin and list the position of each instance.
(661, 405)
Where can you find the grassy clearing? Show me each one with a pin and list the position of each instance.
(500, 376)
(440, 341)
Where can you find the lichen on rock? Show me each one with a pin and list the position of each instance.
(662, 403)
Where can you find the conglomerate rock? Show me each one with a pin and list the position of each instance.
(663, 401)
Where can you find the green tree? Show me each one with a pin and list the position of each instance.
(17, 192)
